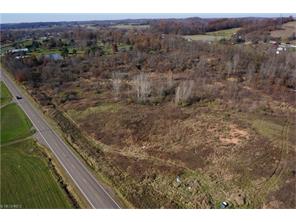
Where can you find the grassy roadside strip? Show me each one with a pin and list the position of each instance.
(83, 154)
(62, 178)
(105, 182)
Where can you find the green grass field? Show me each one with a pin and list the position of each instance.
(129, 26)
(227, 33)
(213, 36)
(14, 124)
(5, 95)
(26, 180)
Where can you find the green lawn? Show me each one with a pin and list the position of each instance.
(14, 124)
(5, 95)
(43, 51)
(26, 181)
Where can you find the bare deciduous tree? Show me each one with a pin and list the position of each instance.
(235, 62)
(142, 87)
(229, 68)
(251, 69)
(170, 81)
(184, 92)
(232, 65)
(202, 66)
(116, 83)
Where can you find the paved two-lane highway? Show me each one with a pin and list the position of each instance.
(96, 195)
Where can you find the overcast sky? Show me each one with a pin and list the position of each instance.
(53, 17)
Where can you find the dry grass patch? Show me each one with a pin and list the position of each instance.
(287, 30)
(102, 108)
(235, 135)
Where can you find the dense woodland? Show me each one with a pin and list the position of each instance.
(166, 56)
(192, 26)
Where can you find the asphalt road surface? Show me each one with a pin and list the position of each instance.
(96, 195)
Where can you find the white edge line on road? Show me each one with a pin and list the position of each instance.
(69, 150)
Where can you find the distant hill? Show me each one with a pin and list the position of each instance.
(192, 25)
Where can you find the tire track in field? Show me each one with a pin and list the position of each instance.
(273, 179)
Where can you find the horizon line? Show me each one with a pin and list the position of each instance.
(10, 18)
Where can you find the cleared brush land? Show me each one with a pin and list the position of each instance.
(217, 154)
(172, 123)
